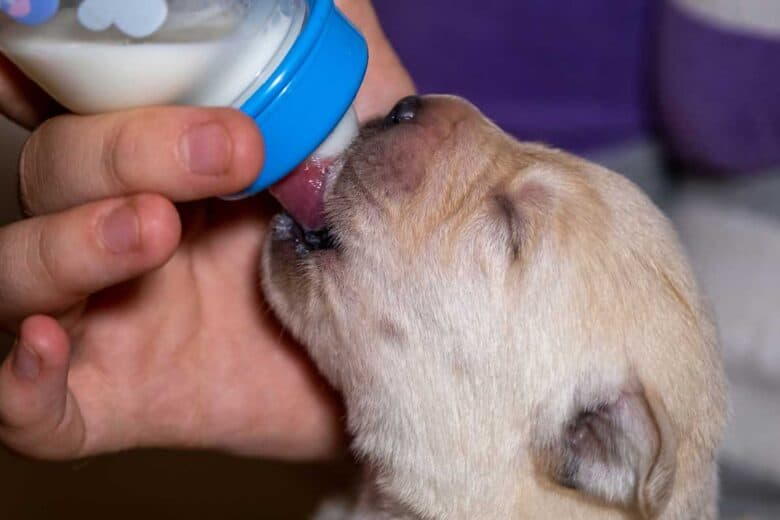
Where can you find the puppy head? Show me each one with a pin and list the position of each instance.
(514, 330)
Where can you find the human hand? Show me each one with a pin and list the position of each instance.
(161, 337)
(387, 80)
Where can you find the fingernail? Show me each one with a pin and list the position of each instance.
(206, 149)
(120, 230)
(27, 364)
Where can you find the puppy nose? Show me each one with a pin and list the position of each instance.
(405, 110)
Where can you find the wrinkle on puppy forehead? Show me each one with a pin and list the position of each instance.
(457, 189)
(522, 211)
(475, 166)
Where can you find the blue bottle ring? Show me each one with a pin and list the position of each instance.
(308, 94)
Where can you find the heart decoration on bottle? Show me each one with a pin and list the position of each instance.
(136, 18)
(30, 12)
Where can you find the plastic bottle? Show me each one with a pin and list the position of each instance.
(294, 66)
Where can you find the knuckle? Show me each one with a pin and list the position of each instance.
(69, 427)
(120, 145)
(14, 421)
(41, 432)
(17, 417)
(7, 415)
(43, 260)
(29, 175)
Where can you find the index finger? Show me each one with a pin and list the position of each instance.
(182, 153)
(21, 100)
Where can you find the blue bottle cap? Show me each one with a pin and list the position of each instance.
(309, 92)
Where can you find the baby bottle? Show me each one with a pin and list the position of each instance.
(294, 66)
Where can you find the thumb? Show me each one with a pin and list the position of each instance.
(38, 415)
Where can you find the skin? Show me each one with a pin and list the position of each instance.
(153, 333)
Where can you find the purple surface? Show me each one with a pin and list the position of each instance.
(570, 73)
(581, 74)
(719, 94)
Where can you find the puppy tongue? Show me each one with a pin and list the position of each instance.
(301, 193)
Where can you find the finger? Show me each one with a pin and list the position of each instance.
(21, 100)
(183, 153)
(387, 80)
(38, 416)
(48, 264)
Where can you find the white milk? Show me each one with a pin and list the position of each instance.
(341, 137)
(220, 60)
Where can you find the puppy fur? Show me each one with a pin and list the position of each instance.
(515, 331)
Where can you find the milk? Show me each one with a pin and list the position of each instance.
(109, 55)
(216, 61)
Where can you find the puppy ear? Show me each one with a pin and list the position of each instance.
(621, 451)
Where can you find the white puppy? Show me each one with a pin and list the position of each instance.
(515, 331)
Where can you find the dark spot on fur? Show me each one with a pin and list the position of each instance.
(510, 215)
(391, 331)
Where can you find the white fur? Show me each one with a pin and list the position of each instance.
(461, 366)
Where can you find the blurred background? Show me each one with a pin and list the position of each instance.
(681, 96)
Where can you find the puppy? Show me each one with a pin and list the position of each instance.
(515, 331)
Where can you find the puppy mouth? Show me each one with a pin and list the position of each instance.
(305, 242)
(302, 192)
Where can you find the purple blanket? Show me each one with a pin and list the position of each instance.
(719, 94)
(585, 75)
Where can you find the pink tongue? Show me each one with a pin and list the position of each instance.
(301, 193)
